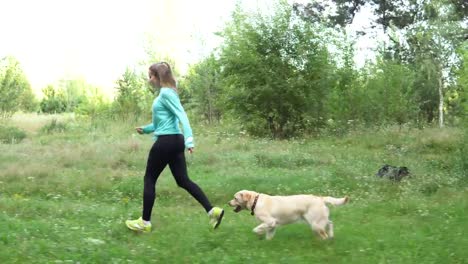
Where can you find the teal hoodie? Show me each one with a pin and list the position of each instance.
(167, 113)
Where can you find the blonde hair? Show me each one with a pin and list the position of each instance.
(162, 71)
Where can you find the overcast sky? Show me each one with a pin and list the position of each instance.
(96, 39)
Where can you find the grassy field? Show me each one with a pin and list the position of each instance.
(68, 187)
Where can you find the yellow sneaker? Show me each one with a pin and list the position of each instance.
(216, 215)
(138, 225)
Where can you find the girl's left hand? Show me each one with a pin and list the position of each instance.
(139, 130)
(190, 150)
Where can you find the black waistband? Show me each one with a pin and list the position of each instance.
(170, 135)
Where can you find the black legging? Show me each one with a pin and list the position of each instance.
(169, 149)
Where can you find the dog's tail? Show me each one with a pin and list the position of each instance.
(336, 201)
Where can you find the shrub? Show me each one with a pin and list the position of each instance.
(11, 135)
(54, 127)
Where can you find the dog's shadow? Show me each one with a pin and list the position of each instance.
(299, 233)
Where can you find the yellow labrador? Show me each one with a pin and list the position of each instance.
(273, 211)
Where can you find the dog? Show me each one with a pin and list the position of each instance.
(393, 173)
(274, 211)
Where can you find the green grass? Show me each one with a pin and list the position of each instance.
(65, 194)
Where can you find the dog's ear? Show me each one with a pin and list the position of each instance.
(241, 195)
(383, 170)
(246, 196)
(403, 171)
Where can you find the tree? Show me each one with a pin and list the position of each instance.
(203, 82)
(432, 42)
(389, 91)
(28, 101)
(67, 97)
(74, 92)
(133, 96)
(274, 71)
(459, 97)
(95, 104)
(15, 90)
(423, 33)
(346, 102)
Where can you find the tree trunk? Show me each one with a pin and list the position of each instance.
(441, 102)
(210, 109)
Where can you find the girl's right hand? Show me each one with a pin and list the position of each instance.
(139, 130)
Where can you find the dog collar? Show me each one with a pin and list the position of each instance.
(254, 204)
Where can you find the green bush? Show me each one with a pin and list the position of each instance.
(461, 162)
(54, 101)
(11, 135)
(54, 127)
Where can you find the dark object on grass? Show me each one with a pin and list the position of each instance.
(393, 173)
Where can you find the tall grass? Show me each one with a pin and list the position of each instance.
(65, 194)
